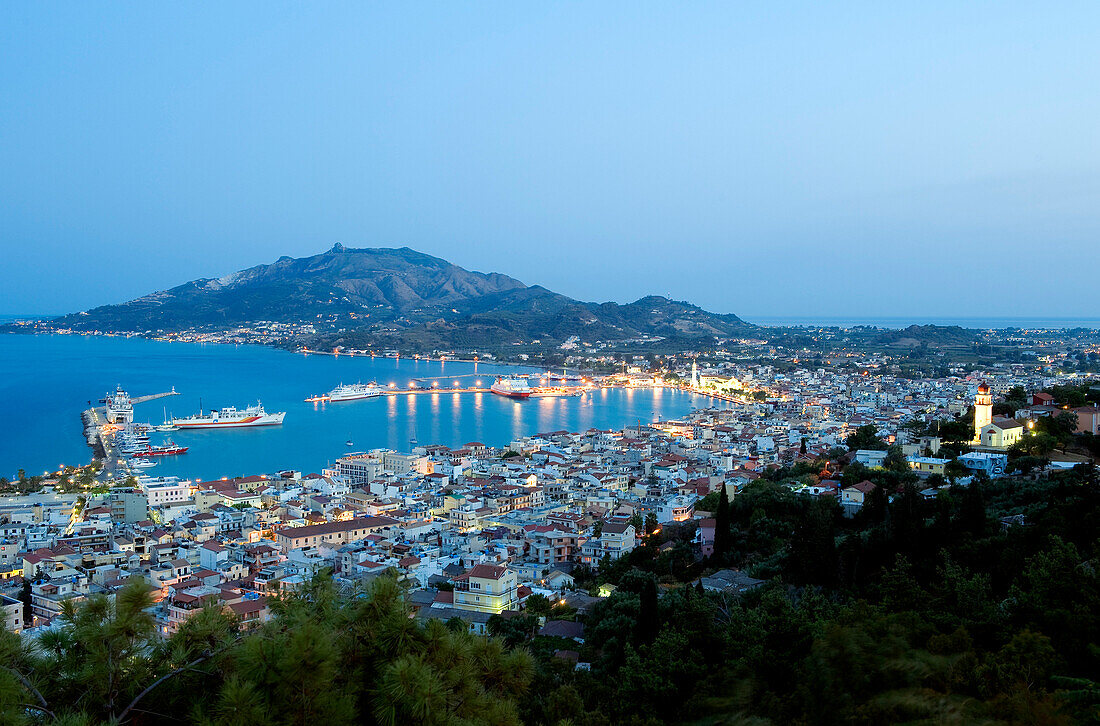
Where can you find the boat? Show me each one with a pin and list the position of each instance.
(555, 391)
(167, 425)
(511, 387)
(120, 409)
(231, 417)
(355, 392)
(165, 449)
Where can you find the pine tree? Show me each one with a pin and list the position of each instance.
(648, 621)
(722, 526)
(25, 598)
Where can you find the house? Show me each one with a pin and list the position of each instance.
(615, 540)
(1088, 419)
(11, 614)
(852, 498)
(1001, 433)
(729, 581)
(925, 466)
(871, 458)
(486, 589)
(705, 536)
(991, 463)
(1042, 399)
(563, 629)
(331, 533)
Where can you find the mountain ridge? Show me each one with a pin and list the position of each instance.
(398, 296)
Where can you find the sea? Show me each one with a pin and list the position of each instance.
(46, 381)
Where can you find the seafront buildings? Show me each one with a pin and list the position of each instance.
(476, 530)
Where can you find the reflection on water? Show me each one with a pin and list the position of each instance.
(55, 376)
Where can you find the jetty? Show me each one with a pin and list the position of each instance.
(95, 418)
(154, 396)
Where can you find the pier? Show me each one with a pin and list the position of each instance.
(438, 390)
(95, 419)
(153, 396)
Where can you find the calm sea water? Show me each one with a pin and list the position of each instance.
(47, 380)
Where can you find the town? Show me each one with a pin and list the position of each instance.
(476, 531)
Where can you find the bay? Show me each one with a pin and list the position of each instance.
(47, 380)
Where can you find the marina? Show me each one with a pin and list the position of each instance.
(55, 375)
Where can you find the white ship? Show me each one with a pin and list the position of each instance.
(512, 387)
(231, 417)
(355, 391)
(119, 407)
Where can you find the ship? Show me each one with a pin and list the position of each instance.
(355, 391)
(231, 417)
(165, 449)
(556, 391)
(120, 409)
(511, 387)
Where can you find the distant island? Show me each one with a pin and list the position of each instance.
(399, 298)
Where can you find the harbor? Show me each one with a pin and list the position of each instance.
(101, 424)
(313, 433)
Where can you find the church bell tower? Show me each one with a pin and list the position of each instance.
(983, 410)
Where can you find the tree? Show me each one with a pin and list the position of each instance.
(651, 523)
(813, 544)
(955, 469)
(722, 526)
(537, 604)
(25, 598)
(865, 437)
(895, 460)
(648, 619)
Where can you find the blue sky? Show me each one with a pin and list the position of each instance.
(899, 159)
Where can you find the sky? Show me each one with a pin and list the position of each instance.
(766, 159)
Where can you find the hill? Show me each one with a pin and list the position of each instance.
(915, 335)
(397, 297)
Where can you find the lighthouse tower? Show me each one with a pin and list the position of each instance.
(983, 410)
(694, 375)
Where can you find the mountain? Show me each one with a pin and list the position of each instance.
(397, 297)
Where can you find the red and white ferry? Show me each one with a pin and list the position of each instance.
(231, 417)
(512, 387)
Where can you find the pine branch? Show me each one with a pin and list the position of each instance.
(43, 705)
(171, 674)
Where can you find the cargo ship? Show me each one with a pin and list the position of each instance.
(355, 392)
(511, 387)
(231, 417)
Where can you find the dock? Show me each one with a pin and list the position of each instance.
(153, 396)
(436, 390)
(95, 419)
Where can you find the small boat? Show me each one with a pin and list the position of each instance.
(349, 442)
(167, 449)
(167, 425)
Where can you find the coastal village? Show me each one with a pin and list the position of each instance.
(475, 531)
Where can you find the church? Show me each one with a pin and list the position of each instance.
(993, 432)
